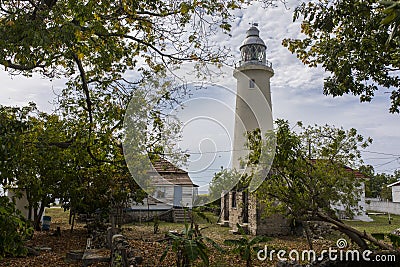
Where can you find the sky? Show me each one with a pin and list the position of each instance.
(296, 96)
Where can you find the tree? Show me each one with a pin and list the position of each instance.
(310, 174)
(223, 181)
(356, 42)
(376, 185)
(35, 165)
(392, 11)
(42, 157)
(94, 43)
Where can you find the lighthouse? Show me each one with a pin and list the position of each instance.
(253, 98)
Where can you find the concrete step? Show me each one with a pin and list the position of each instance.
(180, 215)
(224, 224)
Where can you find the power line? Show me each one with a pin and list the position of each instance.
(378, 158)
(383, 164)
(380, 153)
(390, 170)
(231, 150)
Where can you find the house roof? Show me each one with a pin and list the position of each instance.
(164, 166)
(394, 184)
(356, 173)
(170, 173)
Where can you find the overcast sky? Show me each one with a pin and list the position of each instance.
(296, 93)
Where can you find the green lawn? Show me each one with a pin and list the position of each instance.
(379, 225)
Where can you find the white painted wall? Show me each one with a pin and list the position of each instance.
(20, 203)
(396, 193)
(253, 106)
(189, 194)
(373, 204)
(360, 210)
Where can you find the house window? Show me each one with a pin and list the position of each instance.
(251, 83)
(159, 192)
(233, 199)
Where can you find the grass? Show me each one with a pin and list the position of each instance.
(379, 225)
(58, 215)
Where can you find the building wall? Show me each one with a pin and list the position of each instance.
(258, 223)
(147, 215)
(396, 193)
(165, 193)
(187, 196)
(359, 210)
(235, 213)
(20, 203)
(271, 225)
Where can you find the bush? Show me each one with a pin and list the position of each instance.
(14, 229)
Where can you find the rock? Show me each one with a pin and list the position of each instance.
(396, 232)
(32, 251)
(74, 255)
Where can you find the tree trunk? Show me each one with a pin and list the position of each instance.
(29, 212)
(308, 236)
(38, 216)
(70, 216)
(355, 235)
(73, 221)
(36, 220)
(29, 206)
(356, 238)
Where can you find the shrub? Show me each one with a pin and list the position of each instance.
(14, 229)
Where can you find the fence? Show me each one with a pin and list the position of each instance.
(374, 204)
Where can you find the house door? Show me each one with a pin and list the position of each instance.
(177, 196)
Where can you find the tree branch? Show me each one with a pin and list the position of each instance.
(346, 229)
(9, 64)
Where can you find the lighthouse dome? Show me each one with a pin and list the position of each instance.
(253, 38)
(253, 48)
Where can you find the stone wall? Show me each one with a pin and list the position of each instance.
(144, 215)
(257, 223)
(271, 225)
(235, 211)
(253, 211)
(122, 254)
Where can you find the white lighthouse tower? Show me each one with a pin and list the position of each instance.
(253, 97)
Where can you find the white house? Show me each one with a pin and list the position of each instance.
(360, 211)
(172, 188)
(395, 191)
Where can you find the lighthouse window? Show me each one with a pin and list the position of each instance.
(251, 83)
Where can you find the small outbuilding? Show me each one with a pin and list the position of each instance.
(395, 191)
(172, 190)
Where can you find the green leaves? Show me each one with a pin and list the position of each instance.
(14, 230)
(356, 42)
(110, 35)
(310, 170)
(244, 246)
(188, 247)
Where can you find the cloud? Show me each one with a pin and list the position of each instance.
(19, 91)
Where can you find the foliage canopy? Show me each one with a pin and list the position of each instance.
(356, 42)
